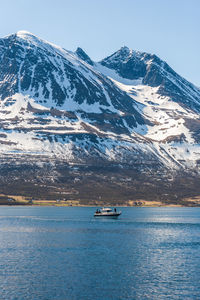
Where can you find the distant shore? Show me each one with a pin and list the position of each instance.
(16, 200)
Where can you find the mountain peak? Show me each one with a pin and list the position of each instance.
(23, 33)
(122, 52)
(124, 49)
(82, 55)
(26, 35)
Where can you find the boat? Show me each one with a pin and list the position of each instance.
(107, 212)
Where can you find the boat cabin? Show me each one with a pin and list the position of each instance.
(104, 209)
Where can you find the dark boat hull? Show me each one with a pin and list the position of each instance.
(117, 214)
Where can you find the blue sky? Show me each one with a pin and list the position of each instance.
(168, 28)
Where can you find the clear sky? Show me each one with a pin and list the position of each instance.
(168, 28)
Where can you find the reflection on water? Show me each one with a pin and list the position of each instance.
(65, 253)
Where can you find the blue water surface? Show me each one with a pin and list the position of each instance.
(65, 253)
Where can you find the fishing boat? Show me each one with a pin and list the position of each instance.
(107, 212)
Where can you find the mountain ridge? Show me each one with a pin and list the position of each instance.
(130, 109)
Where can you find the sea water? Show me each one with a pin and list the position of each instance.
(66, 253)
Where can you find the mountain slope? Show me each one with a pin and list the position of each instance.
(52, 97)
(130, 109)
(154, 72)
(166, 99)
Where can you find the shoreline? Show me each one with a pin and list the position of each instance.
(96, 206)
(16, 200)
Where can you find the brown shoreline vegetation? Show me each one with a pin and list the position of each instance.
(16, 200)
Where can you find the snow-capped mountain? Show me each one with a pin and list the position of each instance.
(168, 101)
(130, 108)
(154, 72)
